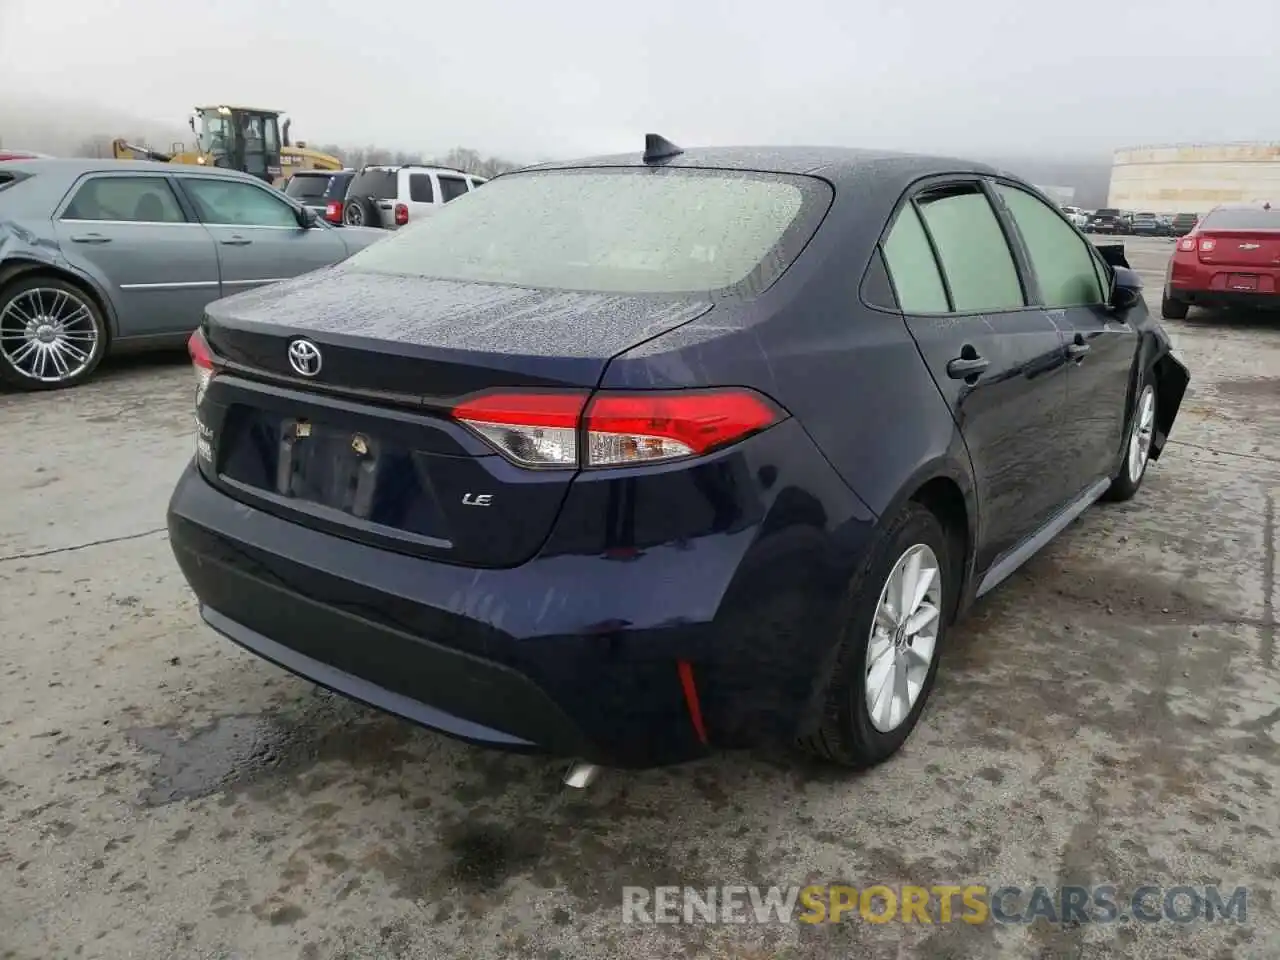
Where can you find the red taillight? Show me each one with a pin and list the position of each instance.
(546, 429)
(1207, 244)
(1187, 244)
(638, 427)
(201, 362)
(333, 211)
(10, 155)
(402, 214)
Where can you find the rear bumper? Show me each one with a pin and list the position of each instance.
(569, 654)
(1224, 298)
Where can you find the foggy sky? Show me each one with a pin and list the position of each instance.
(566, 77)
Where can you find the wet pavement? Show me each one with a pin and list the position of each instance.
(1108, 715)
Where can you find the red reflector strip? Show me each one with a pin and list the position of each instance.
(690, 688)
(560, 409)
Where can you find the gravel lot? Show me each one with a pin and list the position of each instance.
(1108, 715)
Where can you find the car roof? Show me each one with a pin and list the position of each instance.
(321, 173)
(833, 163)
(75, 167)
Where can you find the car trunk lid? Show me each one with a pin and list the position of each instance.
(362, 444)
(1239, 248)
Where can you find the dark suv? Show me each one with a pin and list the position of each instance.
(1108, 220)
(1184, 223)
(322, 190)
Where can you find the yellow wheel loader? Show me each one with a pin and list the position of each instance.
(248, 139)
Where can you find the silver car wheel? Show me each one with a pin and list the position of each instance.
(1144, 422)
(903, 637)
(48, 334)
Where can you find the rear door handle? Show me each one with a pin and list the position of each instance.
(89, 238)
(962, 368)
(236, 242)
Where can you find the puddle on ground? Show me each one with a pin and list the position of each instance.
(1249, 387)
(228, 750)
(241, 750)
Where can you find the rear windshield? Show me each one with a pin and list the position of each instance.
(1186, 218)
(337, 188)
(1107, 213)
(379, 184)
(307, 186)
(1245, 218)
(1144, 216)
(614, 231)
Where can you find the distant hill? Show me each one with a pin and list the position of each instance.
(70, 129)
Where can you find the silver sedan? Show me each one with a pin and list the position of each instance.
(99, 255)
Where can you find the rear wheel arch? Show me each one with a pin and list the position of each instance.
(942, 496)
(11, 271)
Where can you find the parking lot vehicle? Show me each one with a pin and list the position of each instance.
(99, 255)
(1183, 223)
(322, 191)
(1077, 216)
(638, 457)
(1146, 225)
(1230, 259)
(392, 196)
(1108, 220)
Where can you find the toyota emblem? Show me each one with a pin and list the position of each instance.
(304, 357)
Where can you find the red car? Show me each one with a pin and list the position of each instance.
(1230, 258)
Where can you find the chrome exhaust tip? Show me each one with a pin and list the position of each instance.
(581, 775)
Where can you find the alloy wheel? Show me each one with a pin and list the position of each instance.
(1144, 422)
(904, 635)
(48, 334)
(353, 215)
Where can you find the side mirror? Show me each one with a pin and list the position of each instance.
(308, 218)
(1126, 289)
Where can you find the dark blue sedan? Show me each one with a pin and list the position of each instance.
(634, 458)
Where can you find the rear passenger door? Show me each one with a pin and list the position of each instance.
(422, 195)
(133, 236)
(997, 362)
(259, 239)
(1072, 284)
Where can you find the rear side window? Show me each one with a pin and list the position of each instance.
(128, 199)
(1242, 218)
(451, 188)
(1059, 256)
(379, 184)
(475, 184)
(912, 267)
(661, 230)
(975, 256)
(420, 188)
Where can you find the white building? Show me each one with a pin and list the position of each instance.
(1194, 178)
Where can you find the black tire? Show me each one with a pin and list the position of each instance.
(846, 735)
(360, 212)
(1124, 484)
(1172, 309)
(80, 313)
